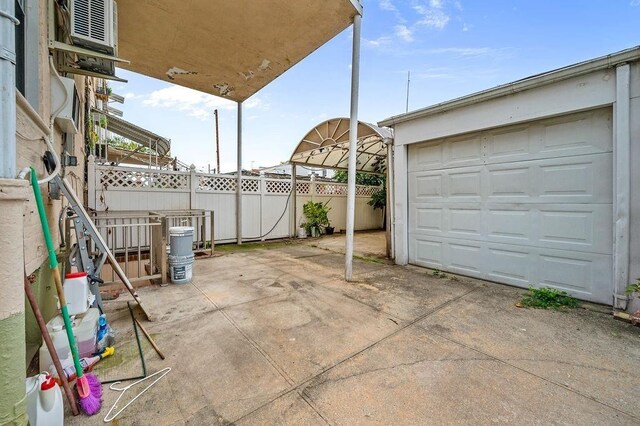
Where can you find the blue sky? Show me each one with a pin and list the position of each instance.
(451, 47)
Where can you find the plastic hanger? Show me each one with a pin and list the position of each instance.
(124, 390)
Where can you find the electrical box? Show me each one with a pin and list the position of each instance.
(93, 25)
(69, 116)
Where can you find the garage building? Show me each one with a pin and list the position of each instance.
(532, 183)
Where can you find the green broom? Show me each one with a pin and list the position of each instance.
(88, 386)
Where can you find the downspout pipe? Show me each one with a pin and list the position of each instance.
(8, 90)
(353, 148)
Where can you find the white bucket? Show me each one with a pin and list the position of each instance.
(181, 240)
(181, 269)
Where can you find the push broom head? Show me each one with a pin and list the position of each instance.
(90, 392)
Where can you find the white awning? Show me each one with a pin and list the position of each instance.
(135, 133)
(327, 146)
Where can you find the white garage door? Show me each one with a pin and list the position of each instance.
(522, 205)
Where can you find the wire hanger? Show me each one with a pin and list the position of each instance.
(124, 390)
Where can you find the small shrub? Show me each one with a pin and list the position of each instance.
(547, 298)
(438, 273)
(634, 288)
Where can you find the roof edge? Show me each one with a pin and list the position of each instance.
(581, 68)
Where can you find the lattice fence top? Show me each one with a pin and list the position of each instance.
(331, 189)
(216, 183)
(278, 186)
(366, 191)
(303, 188)
(126, 178)
(250, 185)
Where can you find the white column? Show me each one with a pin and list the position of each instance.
(239, 179)
(353, 148)
(400, 205)
(622, 185)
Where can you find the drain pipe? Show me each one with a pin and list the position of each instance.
(7, 90)
(13, 193)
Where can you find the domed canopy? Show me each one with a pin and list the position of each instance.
(327, 146)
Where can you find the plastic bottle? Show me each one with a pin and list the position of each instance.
(44, 401)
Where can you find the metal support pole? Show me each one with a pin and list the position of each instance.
(215, 113)
(353, 147)
(294, 196)
(7, 90)
(239, 179)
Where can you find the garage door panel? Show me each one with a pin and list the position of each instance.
(583, 274)
(460, 151)
(464, 184)
(578, 227)
(589, 132)
(510, 182)
(509, 265)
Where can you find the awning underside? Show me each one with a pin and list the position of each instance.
(229, 48)
(135, 133)
(327, 146)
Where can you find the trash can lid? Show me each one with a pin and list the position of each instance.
(180, 229)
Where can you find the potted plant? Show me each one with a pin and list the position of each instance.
(633, 290)
(316, 214)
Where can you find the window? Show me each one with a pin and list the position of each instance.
(20, 30)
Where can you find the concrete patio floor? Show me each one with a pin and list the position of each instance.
(275, 336)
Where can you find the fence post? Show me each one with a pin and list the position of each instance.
(294, 200)
(91, 182)
(193, 186)
(159, 241)
(312, 186)
(263, 191)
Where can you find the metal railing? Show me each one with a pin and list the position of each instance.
(139, 240)
(203, 241)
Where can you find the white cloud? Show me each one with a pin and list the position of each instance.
(404, 33)
(387, 5)
(194, 103)
(378, 42)
(635, 3)
(432, 14)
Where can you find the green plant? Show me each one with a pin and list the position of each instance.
(438, 273)
(547, 298)
(316, 214)
(634, 287)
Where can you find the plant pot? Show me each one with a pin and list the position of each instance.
(302, 233)
(315, 232)
(633, 305)
(329, 230)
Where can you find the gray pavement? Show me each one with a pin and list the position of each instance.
(275, 336)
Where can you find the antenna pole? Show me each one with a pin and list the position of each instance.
(408, 82)
(215, 113)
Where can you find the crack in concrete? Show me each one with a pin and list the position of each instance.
(553, 382)
(304, 383)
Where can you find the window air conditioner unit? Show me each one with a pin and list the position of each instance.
(69, 117)
(93, 25)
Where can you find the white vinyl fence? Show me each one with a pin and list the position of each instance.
(266, 202)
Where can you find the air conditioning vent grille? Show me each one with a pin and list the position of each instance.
(81, 17)
(97, 18)
(92, 23)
